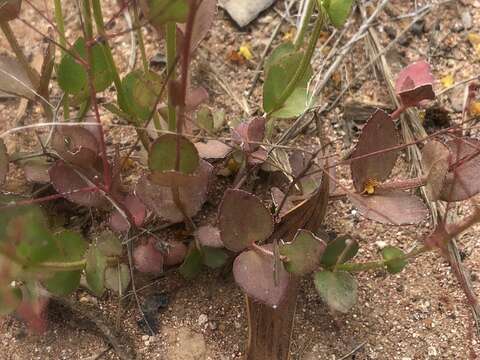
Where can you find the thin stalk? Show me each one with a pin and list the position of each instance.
(302, 68)
(97, 13)
(88, 29)
(302, 29)
(63, 41)
(380, 264)
(171, 36)
(141, 43)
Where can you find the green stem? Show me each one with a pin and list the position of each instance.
(306, 16)
(380, 264)
(302, 68)
(171, 35)
(98, 16)
(63, 41)
(141, 43)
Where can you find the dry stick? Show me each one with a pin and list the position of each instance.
(266, 50)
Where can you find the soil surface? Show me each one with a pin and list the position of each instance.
(420, 313)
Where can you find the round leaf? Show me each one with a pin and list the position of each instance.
(214, 257)
(159, 12)
(109, 244)
(63, 283)
(208, 235)
(394, 257)
(163, 154)
(337, 289)
(36, 170)
(463, 180)
(192, 264)
(303, 253)
(243, 220)
(147, 258)
(254, 273)
(415, 84)
(76, 145)
(117, 278)
(95, 270)
(378, 134)
(391, 207)
(336, 248)
(338, 11)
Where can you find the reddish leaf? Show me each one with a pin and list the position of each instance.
(175, 254)
(195, 97)
(378, 134)
(193, 194)
(147, 258)
(243, 220)
(9, 9)
(209, 235)
(248, 132)
(254, 273)
(3, 162)
(75, 145)
(136, 208)
(202, 24)
(36, 170)
(257, 157)
(66, 180)
(390, 207)
(415, 83)
(435, 160)
(14, 80)
(212, 149)
(463, 180)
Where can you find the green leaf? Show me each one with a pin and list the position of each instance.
(338, 11)
(243, 220)
(95, 270)
(205, 119)
(63, 282)
(159, 12)
(70, 246)
(214, 257)
(26, 227)
(335, 249)
(281, 71)
(391, 254)
(337, 289)
(192, 264)
(163, 154)
(277, 54)
(72, 75)
(141, 91)
(10, 298)
(117, 278)
(303, 253)
(109, 244)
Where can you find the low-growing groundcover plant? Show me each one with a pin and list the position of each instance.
(272, 243)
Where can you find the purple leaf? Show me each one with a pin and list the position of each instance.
(415, 83)
(136, 208)
(378, 134)
(147, 258)
(4, 162)
(390, 207)
(9, 9)
(203, 21)
(243, 220)
(175, 254)
(76, 145)
(208, 235)
(195, 97)
(248, 132)
(254, 273)
(66, 180)
(463, 180)
(36, 170)
(435, 161)
(193, 194)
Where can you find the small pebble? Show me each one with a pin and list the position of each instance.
(458, 27)
(202, 319)
(467, 20)
(418, 28)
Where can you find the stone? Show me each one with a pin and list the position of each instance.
(467, 20)
(245, 11)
